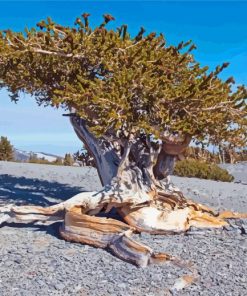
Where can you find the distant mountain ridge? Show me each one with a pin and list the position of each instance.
(21, 155)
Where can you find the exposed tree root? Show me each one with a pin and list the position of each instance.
(111, 234)
(156, 214)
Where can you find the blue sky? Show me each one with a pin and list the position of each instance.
(219, 29)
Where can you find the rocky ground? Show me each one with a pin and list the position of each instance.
(35, 261)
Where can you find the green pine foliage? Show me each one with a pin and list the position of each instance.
(118, 82)
(68, 160)
(202, 170)
(58, 161)
(34, 159)
(6, 149)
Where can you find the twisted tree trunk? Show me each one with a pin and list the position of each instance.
(135, 175)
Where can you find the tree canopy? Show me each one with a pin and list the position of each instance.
(121, 84)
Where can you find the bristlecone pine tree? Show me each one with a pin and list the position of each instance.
(6, 149)
(135, 103)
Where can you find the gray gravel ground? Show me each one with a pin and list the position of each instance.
(35, 261)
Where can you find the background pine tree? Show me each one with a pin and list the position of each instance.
(68, 160)
(58, 161)
(6, 149)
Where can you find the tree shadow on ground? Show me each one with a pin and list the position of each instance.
(23, 191)
(52, 228)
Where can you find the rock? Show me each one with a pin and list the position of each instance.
(59, 286)
(122, 286)
(243, 229)
(8, 263)
(18, 260)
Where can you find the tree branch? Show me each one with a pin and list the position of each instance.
(48, 52)
(105, 157)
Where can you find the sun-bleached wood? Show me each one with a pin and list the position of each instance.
(135, 176)
(164, 214)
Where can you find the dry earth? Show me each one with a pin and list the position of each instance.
(35, 261)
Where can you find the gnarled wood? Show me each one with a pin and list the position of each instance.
(111, 234)
(168, 221)
(161, 213)
(136, 182)
(104, 154)
(175, 146)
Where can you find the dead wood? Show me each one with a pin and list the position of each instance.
(162, 214)
(135, 175)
